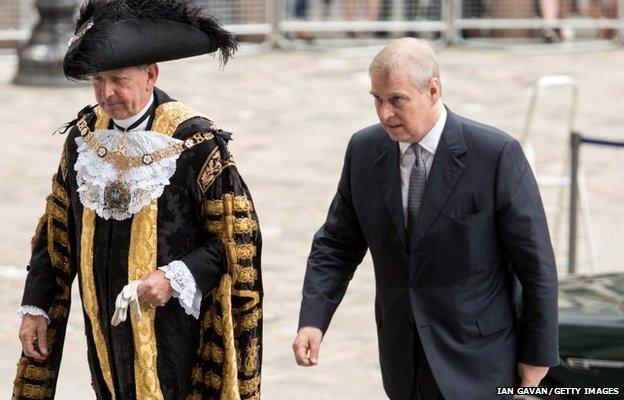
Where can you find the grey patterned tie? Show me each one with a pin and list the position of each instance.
(418, 176)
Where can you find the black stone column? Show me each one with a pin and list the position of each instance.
(41, 59)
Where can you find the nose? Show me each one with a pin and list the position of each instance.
(106, 89)
(386, 111)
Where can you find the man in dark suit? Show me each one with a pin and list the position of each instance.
(452, 215)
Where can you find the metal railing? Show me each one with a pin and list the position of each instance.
(576, 140)
(559, 179)
(454, 21)
(353, 18)
(566, 19)
(243, 17)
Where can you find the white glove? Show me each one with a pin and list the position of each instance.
(127, 296)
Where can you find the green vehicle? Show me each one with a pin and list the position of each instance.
(591, 337)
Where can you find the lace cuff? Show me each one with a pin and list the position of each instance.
(184, 287)
(32, 310)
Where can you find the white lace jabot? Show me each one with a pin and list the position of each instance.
(145, 182)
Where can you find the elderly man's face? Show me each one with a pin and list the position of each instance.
(406, 113)
(123, 92)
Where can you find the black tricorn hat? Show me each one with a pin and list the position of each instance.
(112, 34)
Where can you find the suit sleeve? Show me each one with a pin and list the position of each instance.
(523, 229)
(337, 249)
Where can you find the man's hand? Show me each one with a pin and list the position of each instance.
(306, 346)
(155, 289)
(531, 375)
(33, 335)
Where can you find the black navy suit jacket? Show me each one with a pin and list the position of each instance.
(481, 225)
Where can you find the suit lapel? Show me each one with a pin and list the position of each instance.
(389, 176)
(445, 173)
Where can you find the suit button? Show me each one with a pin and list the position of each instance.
(413, 286)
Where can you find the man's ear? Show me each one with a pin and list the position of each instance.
(435, 89)
(152, 75)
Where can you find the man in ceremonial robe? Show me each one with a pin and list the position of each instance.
(149, 212)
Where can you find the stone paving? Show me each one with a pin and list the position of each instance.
(292, 114)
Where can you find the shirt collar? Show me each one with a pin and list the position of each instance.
(430, 142)
(124, 123)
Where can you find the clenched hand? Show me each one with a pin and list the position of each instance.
(33, 335)
(155, 289)
(531, 375)
(306, 346)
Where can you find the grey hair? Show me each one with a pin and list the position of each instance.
(144, 67)
(406, 55)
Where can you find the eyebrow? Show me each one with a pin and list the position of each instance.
(391, 94)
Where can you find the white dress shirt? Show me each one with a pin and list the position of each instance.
(428, 145)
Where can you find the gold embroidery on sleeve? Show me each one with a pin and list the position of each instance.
(239, 204)
(245, 274)
(40, 225)
(59, 235)
(242, 204)
(213, 380)
(249, 321)
(66, 293)
(59, 192)
(57, 212)
(245, 251)
(59, 260)
(241, 226)
(213, 207)
(251, 361)
(58, 311)
(212, 351)
(249, 386)
(64, 164)
(197, 374)
(36, 392)
(39, 373)
(212, 168)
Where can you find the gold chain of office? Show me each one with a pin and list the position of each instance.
(123, 162)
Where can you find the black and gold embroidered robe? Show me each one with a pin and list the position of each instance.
(205, 218)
